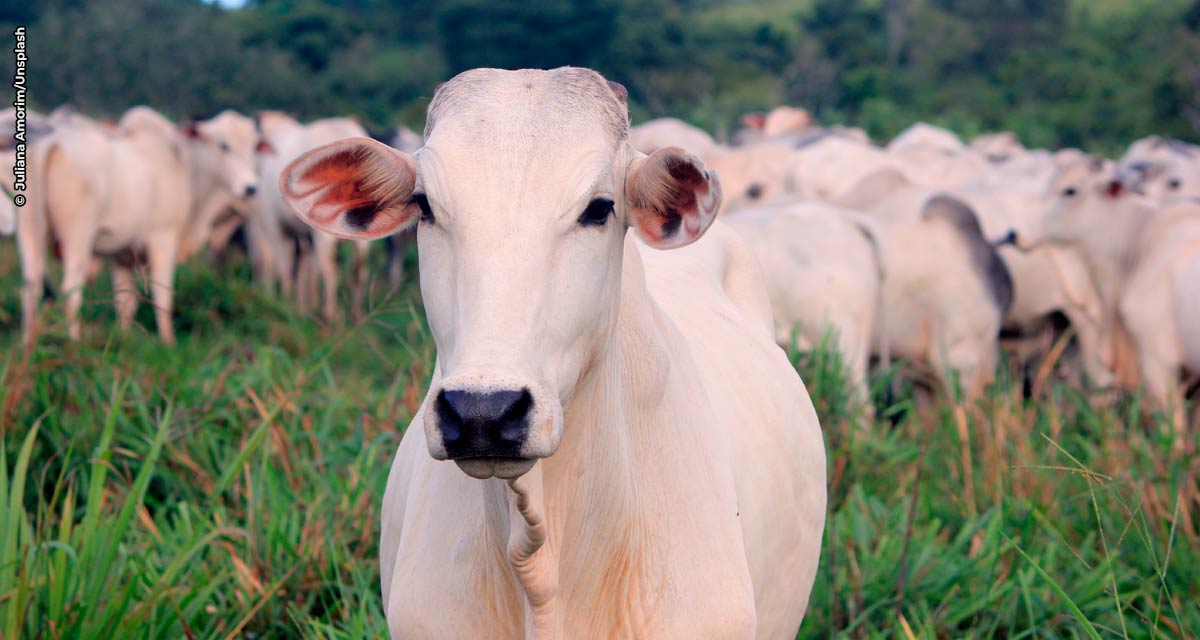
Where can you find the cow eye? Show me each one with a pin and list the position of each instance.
(596, 213)
(1069, 192)
(224, 147)
(423, 202)
(1173, 184)
(755, 191)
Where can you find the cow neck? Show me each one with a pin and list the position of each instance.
(581, 510)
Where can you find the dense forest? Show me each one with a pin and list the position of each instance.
(1088, 73)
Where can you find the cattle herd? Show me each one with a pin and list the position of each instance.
(644, 446)
(144, 191)
(931, 249)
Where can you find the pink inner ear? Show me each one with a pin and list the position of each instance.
(354, 188)
(339, 175)
(671, 196)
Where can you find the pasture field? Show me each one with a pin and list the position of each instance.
(230, 487)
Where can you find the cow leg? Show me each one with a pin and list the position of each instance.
(124, 294)
(1091, 346)
(1160, 379)
(1145, 314)
(395, 251)
(971, 361)
(161, 249)
(31, 242)
(300, 281)
(1159, 369)
(289, 264)
(358, 283)
(325, 256)
(77, 262)
(855, 352)
(264, 244)
(223, 231)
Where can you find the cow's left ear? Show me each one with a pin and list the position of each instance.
(671, 198)
(356, 188)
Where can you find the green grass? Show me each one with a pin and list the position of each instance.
(230, 487)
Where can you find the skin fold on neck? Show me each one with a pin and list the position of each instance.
(544, 525)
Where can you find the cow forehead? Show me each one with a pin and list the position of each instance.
(230, 124)
(1080, 172)
(523, 150)
(530, 98)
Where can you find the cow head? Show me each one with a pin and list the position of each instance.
(522, 196)
(1089, 207)
(227, 145)
(1163, 180)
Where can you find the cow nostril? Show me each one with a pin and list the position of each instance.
(251, 190)
(483, 421)
(488, 406)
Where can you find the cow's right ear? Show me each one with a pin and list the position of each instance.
(356, 188)
(672, 197)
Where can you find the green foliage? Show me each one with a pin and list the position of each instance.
(513, 34)
(230, 487)
(1088, 73)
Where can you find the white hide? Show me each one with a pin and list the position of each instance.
(275, 233)
(676, 487)
(824, 277)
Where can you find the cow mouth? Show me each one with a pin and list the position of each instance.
(501, 467)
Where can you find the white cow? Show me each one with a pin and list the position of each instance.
(829, 167)
(1086, 207)
(923, 135)
(999, 146)
(1166, 170)
(780, 122)
(1047, 279)
(1160, 305)
(659, 470)
(824, 274)
(123, 193)
(117, 195)
(224, 177)
(656, 134)
(751, 174)
(286, 250)
(37, 127)
(946, 290)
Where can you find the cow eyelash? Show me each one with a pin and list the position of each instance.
(422, 201)
(596, 213)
